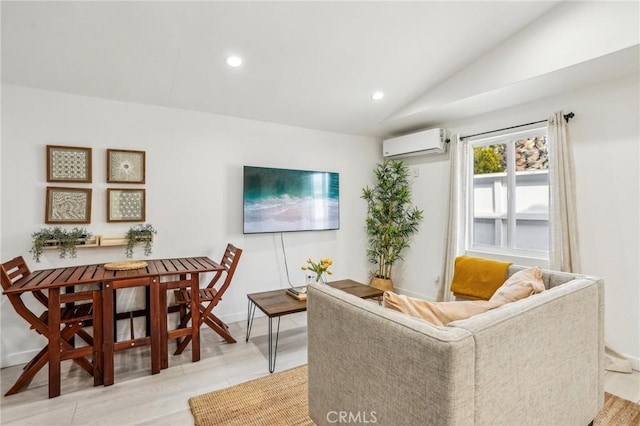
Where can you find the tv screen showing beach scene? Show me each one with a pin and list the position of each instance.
(285, 200)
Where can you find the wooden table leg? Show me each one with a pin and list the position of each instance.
(156, 330)
(147, 318)
(98, 359)
(195, 317)
(107, 333)
(54, 342)
(164, 327)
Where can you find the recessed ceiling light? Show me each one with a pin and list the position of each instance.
(376, 96)
(234, 61)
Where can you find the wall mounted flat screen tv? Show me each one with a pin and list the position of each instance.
(285, 200)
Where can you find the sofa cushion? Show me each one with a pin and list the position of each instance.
(520, 285)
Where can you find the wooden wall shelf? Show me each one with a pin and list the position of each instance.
(98, 241)
(94, 241)
(116, 240)
(113, 240)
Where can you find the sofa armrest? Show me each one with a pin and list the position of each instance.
(540, 360)
(371, 364)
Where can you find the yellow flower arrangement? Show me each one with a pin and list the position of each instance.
(319, 268)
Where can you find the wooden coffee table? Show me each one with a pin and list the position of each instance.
(277, 303)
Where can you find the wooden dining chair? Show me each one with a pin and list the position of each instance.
(73, 317)
(209, 298)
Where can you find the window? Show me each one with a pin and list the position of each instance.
(509, 200)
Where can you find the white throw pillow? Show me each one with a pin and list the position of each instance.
(520, 285)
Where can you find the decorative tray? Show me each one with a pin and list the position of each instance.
(299, 293)
(125, 266)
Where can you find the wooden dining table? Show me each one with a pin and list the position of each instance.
(53, 280)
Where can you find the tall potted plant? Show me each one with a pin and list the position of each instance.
(391, 219)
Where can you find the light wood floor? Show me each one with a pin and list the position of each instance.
(138, 398)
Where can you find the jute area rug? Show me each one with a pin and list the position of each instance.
(281, 399)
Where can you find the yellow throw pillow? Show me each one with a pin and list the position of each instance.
(477, 278)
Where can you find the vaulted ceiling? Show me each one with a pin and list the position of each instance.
(307, 64)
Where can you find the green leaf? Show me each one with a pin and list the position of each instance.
(391, 219)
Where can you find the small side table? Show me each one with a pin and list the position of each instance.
(276, 303)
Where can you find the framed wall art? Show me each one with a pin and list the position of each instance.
(68, 164)
(68, 205)
(126, 205)
(125, 166)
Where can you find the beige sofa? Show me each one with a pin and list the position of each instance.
(538, 361)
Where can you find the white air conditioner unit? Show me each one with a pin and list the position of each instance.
(425, 142)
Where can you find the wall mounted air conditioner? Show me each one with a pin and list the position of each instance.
(425, 142)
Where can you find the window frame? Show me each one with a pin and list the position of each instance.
(509, 251)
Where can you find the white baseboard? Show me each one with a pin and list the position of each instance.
(239, 316)
(23, 357)
(17, 358)
(635, 362)
(400, 290)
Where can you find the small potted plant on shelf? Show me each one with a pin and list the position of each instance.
(140, 234)
(66, 240)
(390, 221)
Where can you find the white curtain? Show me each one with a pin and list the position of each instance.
(563, 246)
(458, 194)
(563, 238)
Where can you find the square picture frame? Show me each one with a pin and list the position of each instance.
(126, 166)
(126, 205)
(68, 205)
(68, 164)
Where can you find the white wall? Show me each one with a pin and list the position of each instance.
(194, 190)
(605, 137)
